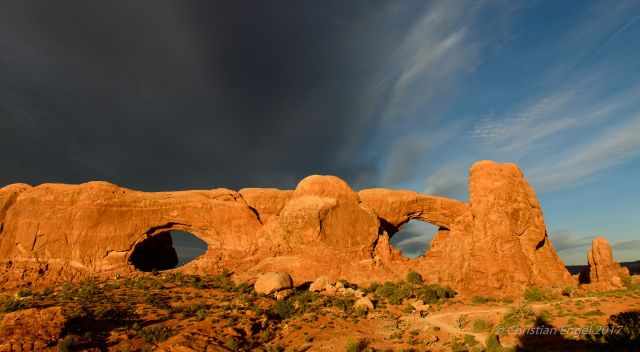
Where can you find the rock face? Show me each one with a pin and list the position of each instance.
(501, 243)
(497, 242)
(604, 272)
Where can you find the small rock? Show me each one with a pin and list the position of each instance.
(271, 282)
(284, 294)
(349, 291)
(430, 340)
(320, 284)
(330, 291)
(363, 303)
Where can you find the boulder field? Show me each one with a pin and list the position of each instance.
(494, 244)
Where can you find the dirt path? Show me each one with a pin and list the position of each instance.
(440, 320)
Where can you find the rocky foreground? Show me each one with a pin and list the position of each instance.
(177, 312)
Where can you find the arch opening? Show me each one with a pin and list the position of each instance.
(413, 238)
(167, 250)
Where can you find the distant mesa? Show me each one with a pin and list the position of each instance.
(496, 243)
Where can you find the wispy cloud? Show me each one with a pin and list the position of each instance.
(414, 238)
(588, 131)
(450, 181)
(433, 54)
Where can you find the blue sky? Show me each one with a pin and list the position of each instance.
(162, 95)
(552, 86)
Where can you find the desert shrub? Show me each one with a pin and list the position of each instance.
(385, 290)
(624, 330)
(46, 292)
(67, 344)
(481, 325)
(482, 299)
(343, 303)
(10, 304)
(515, 315)
(470, 340)
(303, 300)
(535, 294)
(408, 308)
(414, 278)
(25, 292)
(372, 287)
(462, 321)
(192, 310)
(401, 293)
(568, 291)
(359, 345)
(493, 344)
(458, 345)
(593, 313)
(222, 281)
(157, 301)
(281, 310)
(155, 334)
(434, 293)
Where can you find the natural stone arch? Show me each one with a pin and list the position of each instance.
(412, 238)
(155, 250)
(397, 207)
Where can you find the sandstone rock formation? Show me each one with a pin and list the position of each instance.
(604, 272)
(271, 282)
(497, 242)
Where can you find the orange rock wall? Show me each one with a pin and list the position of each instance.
(497, 241)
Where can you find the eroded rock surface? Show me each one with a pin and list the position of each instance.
(604, 272)
(497, 242)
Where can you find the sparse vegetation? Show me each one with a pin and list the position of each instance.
(359, 345)
(481, 325)
(535, 294)
(11, 304)
(414, 278)
(482, 299)
(516, 315)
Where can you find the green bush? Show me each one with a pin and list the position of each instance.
(282, 310)
(493, 344)
(535, 294)
(568, 291)
(414, 278)
(155, 334)
(360, 345)
(515, 315)
(372, 287)
(470, 340)
(434, 293)
(481, 325)
(482, 299)
(11, 305)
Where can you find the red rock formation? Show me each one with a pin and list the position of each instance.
(604, 272)
(497, 241)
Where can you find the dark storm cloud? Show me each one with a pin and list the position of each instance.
(167, 95)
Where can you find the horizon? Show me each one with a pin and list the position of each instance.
(159, 96)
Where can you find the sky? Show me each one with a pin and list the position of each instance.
(163, 95)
